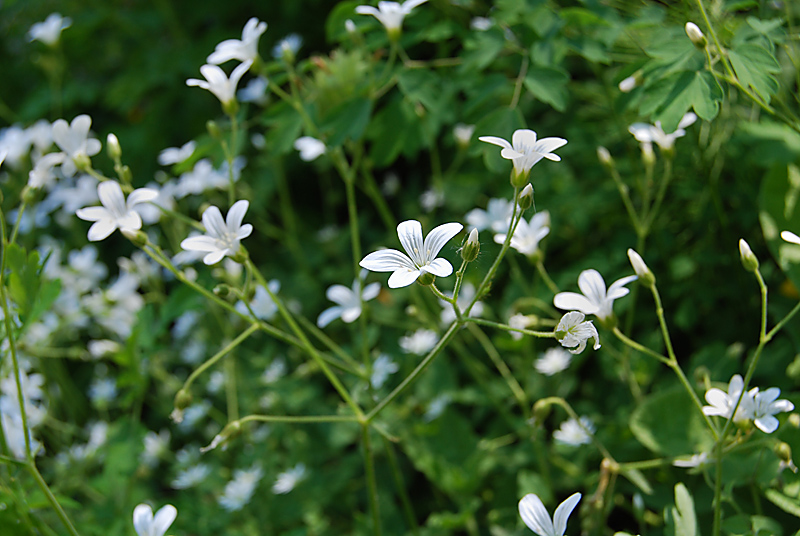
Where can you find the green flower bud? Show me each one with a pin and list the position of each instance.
(646, 277)
(138, 237)
(183, 399)
(213, 129)
(426, 279)
(605, 157)
(113, 147)
(749, 260)
(28, 195)
(222, 290)
(525, 199)
(696, 35)
(471, 248)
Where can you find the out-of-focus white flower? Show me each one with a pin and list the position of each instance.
(204, 177)
(465, 296)
(218, 83)
(420, 342)
(722, 403)
(116, 212)
(15, 142)
(103, 391)
(574, 433)
(390, 14)
(49, 31)
(255, 91)
(240, 489)
(463, 134)
(766, 406)
(595, 300)
(421, 256)
(40, 135)
(436, 407)
(42, 174)
(573, 332)
(535, 515)
(695, 460)
(527, 235)
(191, 476)
(525, 150)
(628, 84)
(244, 49)
(146, 524)
(287, 480)
(496, 216)
(381, 369)
(790, 237)
(431, 198)
(553, 361)
(287, 47)
(645, 133)
(480, 24)
(518, 321)
(262, 304)
(310, 148)
(156, 445)
(176, 155)
(275, 371)
(222, 236)
(73, 138)
(349, 302)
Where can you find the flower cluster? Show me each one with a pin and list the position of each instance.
(753, 405)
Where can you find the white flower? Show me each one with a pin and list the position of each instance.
(155, 446)
(575, 433)
(262, 305)
(722, 403)
(525, 150)
(421, 256)
(288, 45)
(239, 491)
(217, 82)
(146, 524)
(496, 216)
(381, 369)
(463, 133)
(645, 133)
(573, 331)
(203, 177)
(116, 212)
(349, 302)
(465, 296)
(255, 91)
(310, 148)
(695, 460)
(222, 236)
(436, 407)
(595, 300)
(431, 198)
(175, 155)
(627, 84)
(527, 235)
(287, 480)
(191, 476)
(553, 361)
(274, 372)
(766, 406)
(535, 515)
(42, 173)
(390, 14)
(73, 138)
(518, 321)
(420, 342)
(480, 24)
(243, 50)
(49, 31)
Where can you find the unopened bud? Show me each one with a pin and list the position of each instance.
(605, 157)
(136, 236)
(222, 290)
(696, 35)
(628, 84)
(426, 279)
(213, 129)
(783, 450)
(350, 26)
(471, 248)
(525, 199)
(113, 148)
(646, 277)
(230, 431)
(749, 260)
(183, 399)
(28, 195)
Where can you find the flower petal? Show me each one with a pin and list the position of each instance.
(142, 519)
(350, 314)
(200, 243)
(328, 315)
(213, 222)
(236, 215)
(438, 237)
(214, 257)
(370, 291)
(572, 301)
(563, 511)
(101, 229)
(494, 140)
(592, 285)
(163, 519)
(535, 516)
(438, 267)
(403, 277)
(410, 234)
(142, 195)
(386, 260)
(93, 213)
(340, 294)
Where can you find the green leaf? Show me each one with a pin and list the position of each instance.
(347, 121)
(754, 66)
(779, 210)
(683, 513)
(639, 480)
(32, 294)
(549, 85)
(790, 505)
(670, 98)
(669, 423)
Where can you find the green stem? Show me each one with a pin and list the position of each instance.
(62, 515)
(505, 327)
(397, 476)
(219, 355)
(546, 277)
(372, 484)
(502, 367)
(299, 419)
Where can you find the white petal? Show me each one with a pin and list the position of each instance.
(244, 231)
(523, 137)
(141, 195)
(111, 196)
(548, 145)
(367, 10)
(572, 301)
(340, 294)
(130, 221)
(163, 519)
(199, 243)
(617, 288)
(328, 315)
(592, 285)
(403, 277)
(410, 234)
(767, 424)
(494, 140)
(213, 222)
(386, 260)
(563, 511)
(642, 132)
(535, 516)
(350, 314)
(93, 213)
(101, 229)
(236, 215)
(370, 291)
(438, 237)
(142, 519)
(214, 257)
(439, 268)
(688, 119)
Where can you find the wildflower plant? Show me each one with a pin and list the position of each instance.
(259, 387)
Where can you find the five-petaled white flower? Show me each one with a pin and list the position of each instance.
(575, 432)
(525, 150)
(222, 236)
(390, 14)
(766, 406)
(243, 49)
(595, 300)
(535, 515)
(49, 31)
(496, 216)
(722, 403)
(573, 332)
(553, 361)
(645, 133)
(349, 308)
(310, 148)
(527, 235)
(116, 212)
(421, 256)
(73, 138)
(146, 524)
(218, 83)
(176, 155)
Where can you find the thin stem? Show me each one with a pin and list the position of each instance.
(219, 355)
(505, 327)
(546, 277)
(502, 367)
(372, 484)
(523, 70)
(299, 419)
(62, 515)
(397, 476)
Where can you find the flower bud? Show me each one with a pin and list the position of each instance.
(628, 84)
(231, 430)
(183, 399)
(136, 236)
(646, 277)
(426, 279)
(605, 157)
(213, 129)
(222, 290)
(470, 250)
(519, 180)
(113, 148)
(697, 37)
(525, 199)
(350, 26)
(28, 195)
(749, 260)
